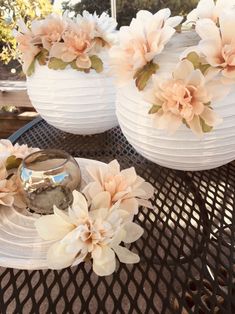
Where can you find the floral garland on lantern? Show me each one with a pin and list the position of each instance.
(186, 93)
(99, 220)
(59, 42)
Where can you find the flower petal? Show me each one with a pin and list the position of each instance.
(106, 263)
(227, 24)
(7, 200)
(148, 190)
(133, 232)
(129, 175)
(210, 117)
(80, 207)
(131, 205)
(183, 70)
(61, 214)
(114, 167)
(58, 258)
(105, 269)
(101, 200)
(92, 189)
(195, 126)
(174, 21)
(52, 227)
(207, 29)
(126, 256)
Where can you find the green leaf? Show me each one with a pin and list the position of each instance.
(178, 29)
(143, 75)
(42, 57)
(13, 162)
(57, 64)
(185, 123)
(204, 68)
(195, 59)
(205, 127)
(73, 65)
(96, 64)
(154, 109)
(31, 68)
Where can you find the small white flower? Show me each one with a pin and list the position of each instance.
(82, 234)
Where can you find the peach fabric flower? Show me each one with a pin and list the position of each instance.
(141, 42)
(186, 97)
(123, 186)
(7, 149)
(104, 27)
(48, 31)
(209, 9)
(82, 234)
(7, 189)
(26, 45)
(77, 44)
(218, 43)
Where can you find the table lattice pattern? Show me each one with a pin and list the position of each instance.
(187, 250)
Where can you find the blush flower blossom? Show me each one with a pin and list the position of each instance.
(82, 234)
(76, 45)
(28, 49)
(123, 186)
(48, 31)
(209, 9)
(141, 42)
(7, 149)
(184, 98)
(217, 44)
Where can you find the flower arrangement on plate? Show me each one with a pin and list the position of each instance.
(94, 228)
(175, 79)
(65, 60)
(98, 222)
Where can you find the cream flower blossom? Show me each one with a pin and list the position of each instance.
(48, 31)
(123, 186)
(104, 27)
(26, 45)
(77, 44)
(209, 9)
(185, 98)
(7, 149)
(7, 189)
(141, 42)
(218, 43)
(83, 234)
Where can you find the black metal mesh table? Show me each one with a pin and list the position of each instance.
(187, 250)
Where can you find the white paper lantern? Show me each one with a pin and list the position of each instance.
(73, 101)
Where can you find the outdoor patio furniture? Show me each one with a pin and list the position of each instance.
(187, 250)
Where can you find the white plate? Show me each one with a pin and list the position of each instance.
(20, 245)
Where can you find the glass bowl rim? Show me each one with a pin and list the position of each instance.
(61, 152)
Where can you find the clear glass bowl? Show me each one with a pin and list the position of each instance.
(48, 177)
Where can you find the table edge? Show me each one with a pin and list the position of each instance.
(15, 136)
